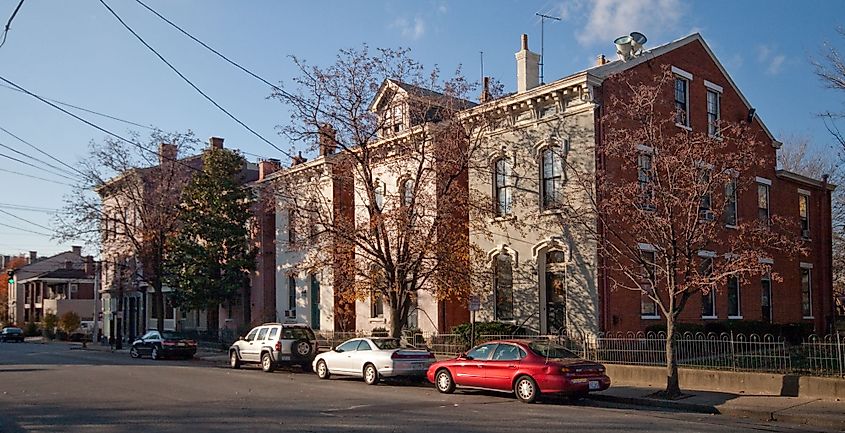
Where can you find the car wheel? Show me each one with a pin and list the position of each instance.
(323, 370)
(525, 389)
(267, 363)
(133, 352)
(154, 354)
(443, 381)
(234, 361)
(303, 348)
(370, 374)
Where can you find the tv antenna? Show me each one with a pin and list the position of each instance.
(543, 18)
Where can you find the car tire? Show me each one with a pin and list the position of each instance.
(371, 376)
(323, 370)
(443, 381)
(525, 389)
(133, 352)
(234, 361)
(154, 353)
(267, 363)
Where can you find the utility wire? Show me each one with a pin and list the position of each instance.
(173, 68)
(33, 177)
(27, 208)
(25, 230)
(97, 127)
(129, 122)
(24, 220)
(60, 170)
(36, 167)
(43, 152)
(9, 23)
(232, 62)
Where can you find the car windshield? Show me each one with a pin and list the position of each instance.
(548, 349)
(168, 335)
(387, 343)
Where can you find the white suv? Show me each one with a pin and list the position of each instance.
(275, 344)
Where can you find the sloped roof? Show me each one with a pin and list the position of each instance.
(418, 91)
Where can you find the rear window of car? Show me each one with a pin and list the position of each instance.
(13, 331)
(169, 335)
(298, 334)
(551, 350)
(386, 344)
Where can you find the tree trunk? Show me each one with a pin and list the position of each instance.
(397, 321)
(158, 300)
(673, 389)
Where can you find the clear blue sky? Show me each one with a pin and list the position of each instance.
(76, 52)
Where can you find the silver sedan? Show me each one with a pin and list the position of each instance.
(372, 359)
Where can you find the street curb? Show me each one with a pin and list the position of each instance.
(642, 401)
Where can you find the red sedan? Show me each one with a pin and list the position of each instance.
(526, 368)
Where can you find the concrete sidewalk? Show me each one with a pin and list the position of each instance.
(792, 410)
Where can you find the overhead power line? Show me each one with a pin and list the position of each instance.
(25, 230)
(9, 23)
(87, 110)
(33, 177)
(35, 166)
(27, 208)
(25, 155)
(194, 86)
(24, 220)
(72, 168)
(98, 127)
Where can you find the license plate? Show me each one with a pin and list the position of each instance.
(418, 365)
(182, 344)
(594, 384)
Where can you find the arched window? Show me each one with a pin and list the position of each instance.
(552, 177)
(407, 187)
(379, 190)
(503, 187)
(556, 291)
(503, 286)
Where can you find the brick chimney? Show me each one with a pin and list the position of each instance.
(89, 265)
(299, 159)
(215, 143)
(601, 60)
(33, 257)
(77, 250)
(485, 90)
(268, 166)
(166, 152)
(327, 139)
(527, 67)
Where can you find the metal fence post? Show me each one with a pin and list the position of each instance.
(839, 351)
(733, 352)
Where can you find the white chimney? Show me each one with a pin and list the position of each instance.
(527, 67)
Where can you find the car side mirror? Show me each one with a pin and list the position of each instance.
(241, 338)
(337, 349)
(465, 356)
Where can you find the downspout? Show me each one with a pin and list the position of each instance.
(827, 251)
(601, 272)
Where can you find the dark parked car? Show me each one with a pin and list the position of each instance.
(525, 368)
(11, 334)
(165, 344)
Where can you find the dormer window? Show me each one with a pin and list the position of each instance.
(393, 119)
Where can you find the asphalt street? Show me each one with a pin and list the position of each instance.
(59, 388)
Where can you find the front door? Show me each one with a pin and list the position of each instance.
(500, 369)
(556, 302)
(315, 302)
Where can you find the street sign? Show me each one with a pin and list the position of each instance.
(474, 303)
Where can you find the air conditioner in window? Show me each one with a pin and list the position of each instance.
(805, 234)
(707, 215)
(290, 314)
(73, 288)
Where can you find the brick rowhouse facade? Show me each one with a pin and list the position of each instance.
(623, 307)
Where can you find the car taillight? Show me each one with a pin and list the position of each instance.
(168, 343)
(567, 370)
(278, 346)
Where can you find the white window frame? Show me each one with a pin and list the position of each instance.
(648, 248)
(713, 125)
(802, 197)
(761, 181)
(809, 268)
(738, 299)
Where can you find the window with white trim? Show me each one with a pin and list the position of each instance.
(708, 300)
(763, 203)
(766, 296)
(291, 293)
(503, 187)
(648, 307)
(503, 286)
(682, 101)
(734, 298)
(552, 177)
(804, 215)
(731, 203)
(644, 179)
(806, 293)
(706, 202)
(713, 112)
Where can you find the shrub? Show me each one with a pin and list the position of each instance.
(69, 322)
(485, 328)
(379, 332)
(31, 330)
(48, 325)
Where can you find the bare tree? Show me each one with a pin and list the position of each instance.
(661, 228)
(404, 151)
(830, 69)
(127, 205)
